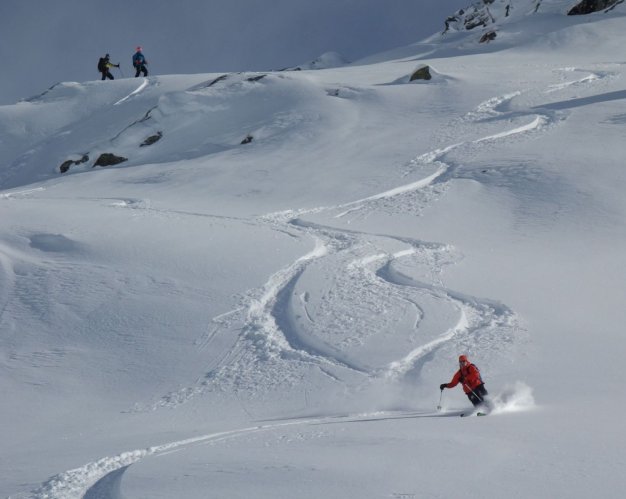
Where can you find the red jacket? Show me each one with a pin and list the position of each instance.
(468, 376)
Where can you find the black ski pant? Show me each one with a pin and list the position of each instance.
(477, 395)
(107, 74)
(141, 69)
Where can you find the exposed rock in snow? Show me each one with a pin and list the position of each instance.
(109, 159)
(590, 6)
(483, 13)
(66, 165)
(487, 37)
(421, 73)
(152, 139)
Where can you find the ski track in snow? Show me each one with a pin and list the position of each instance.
(102, 478)
(91, 480)
(262, 337)
(591, 77)
(476, 317)
(139, 89)
(265, 340)
(263, 331)
(20, 194)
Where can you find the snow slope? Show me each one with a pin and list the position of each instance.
(273, 319)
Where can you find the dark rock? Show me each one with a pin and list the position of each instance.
(475, 16)
(476, 19)
(421, 73)
(152, 139)
(487, 37)
(66, 165)
(256, 78)
(590, 6)
(108, 159)
(218, 79)
(249, 138)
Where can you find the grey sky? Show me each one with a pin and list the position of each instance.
(43, 42)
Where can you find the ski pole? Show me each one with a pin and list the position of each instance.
(121, 72)
(440, 397)
(479, 397)
(475, 394)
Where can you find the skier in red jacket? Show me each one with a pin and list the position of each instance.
(469, 377)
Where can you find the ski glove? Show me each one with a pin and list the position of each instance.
(443, 385)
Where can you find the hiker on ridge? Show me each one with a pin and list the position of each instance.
(103, 66)
(140, 63)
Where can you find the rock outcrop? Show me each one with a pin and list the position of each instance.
(487, 37)
(421, 73)
(590, 6)
(484, 13)
(109, 159)
(66, 165)
(152, 139)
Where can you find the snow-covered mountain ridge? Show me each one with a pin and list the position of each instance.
(264, 299)
(40, 115)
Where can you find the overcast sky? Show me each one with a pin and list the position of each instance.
(43, 42)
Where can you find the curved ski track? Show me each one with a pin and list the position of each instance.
(102, 478)
(270, 340)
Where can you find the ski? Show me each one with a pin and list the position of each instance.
(466, 414)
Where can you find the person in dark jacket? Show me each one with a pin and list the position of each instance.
(140, 63)
(469, 377)
(104, 65)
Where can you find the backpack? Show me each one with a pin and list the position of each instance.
(102, 65)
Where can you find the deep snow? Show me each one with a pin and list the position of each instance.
(273, 319)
